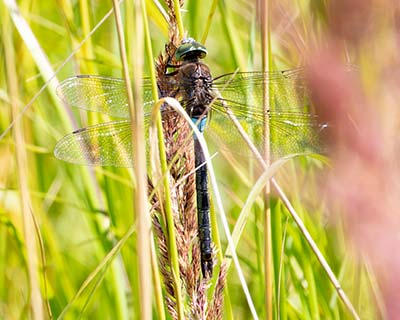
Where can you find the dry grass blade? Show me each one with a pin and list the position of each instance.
(268, 260)
(28, 216)
(137, 119)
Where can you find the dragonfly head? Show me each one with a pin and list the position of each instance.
(190, 50)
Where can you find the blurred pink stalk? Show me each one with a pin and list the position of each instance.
(363, 135)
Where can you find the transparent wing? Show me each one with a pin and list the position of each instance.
(291, 133)
(292, 128)
(101, 94)
(287, 89)
(105, 144)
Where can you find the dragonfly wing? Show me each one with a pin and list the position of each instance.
(101, 94)
(287, 89)
(105, 144)
(294, 133)
(290, 132)
(292, 128)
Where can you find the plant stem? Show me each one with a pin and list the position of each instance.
(268, 261)
(177, 9)
(209, 20)
(134, 95)
(36, 303)
(149, 55)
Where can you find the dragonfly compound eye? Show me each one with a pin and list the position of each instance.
(190, 48)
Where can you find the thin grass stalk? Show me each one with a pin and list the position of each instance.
(357, 287)
(312, 290)
(118, 286)
(157, 283)
(278, 250)
(104, 263)
(178, 16)
(220, 257)
(377, 294)
(280, 284)
(228, 314)
(117, 280)
(230, 31)
(192, 18)
(209, 20)
(138, 140)
(87, 54)
(161, 9)
(255, 192)
(149, 55)
(117, 270)
(87, 47)
(172, 247)
(149, 51)
(91, 294)
(36, 303)
(268, 261)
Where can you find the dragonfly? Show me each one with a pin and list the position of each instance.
(209, 102)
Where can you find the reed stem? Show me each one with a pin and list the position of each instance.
(154, 90)
(268, 261)
(178, 16)
(134, 95)
(28, 217)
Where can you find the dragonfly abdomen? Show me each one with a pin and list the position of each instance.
(203, 211)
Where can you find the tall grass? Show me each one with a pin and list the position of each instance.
(79, 257)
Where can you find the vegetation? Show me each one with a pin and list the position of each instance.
(68, 234)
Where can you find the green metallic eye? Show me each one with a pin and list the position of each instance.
(190, 47)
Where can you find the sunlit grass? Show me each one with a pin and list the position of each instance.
(85, 215)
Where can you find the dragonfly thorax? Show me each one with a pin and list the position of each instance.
(195, 88)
